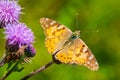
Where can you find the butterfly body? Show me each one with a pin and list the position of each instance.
(66, 46)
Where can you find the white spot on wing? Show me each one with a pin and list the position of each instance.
(84, 49)
(46, 25)
(60, 27)
(46, 19)
(91, 57)
(53, 22)
(88, 62)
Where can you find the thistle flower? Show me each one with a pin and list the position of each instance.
(18, 35)
(9, 12)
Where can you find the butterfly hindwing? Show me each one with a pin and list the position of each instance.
(56, 34)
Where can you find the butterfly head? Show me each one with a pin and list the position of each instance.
(75, 35)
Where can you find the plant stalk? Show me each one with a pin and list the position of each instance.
(38, 70)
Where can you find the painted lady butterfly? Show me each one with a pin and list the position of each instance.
(66, 46)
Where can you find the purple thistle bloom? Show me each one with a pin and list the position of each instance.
(9, 12)
(18, 35)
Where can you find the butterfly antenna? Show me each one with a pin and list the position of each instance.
(77, 20)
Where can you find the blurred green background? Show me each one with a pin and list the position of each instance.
(99, 23)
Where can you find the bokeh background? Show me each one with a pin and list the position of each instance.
(99, 23)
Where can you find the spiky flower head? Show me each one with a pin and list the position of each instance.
(9, 12)
(18, 35)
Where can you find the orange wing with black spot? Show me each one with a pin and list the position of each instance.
(77, 53)
(56, 34)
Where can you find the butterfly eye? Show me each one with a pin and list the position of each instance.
(72, 37)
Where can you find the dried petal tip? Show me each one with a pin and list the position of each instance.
(30, 51)
(18, 35)
(9, 12)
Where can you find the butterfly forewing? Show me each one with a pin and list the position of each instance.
(56, 34)
(77, 53)
(90, 60)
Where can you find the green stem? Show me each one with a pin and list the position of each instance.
(10, 71)
(2, 60)
(38, 70)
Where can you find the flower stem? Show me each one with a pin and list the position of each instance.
(2, 60)
(10, 71)
(38, 70)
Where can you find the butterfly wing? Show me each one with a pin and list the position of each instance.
(56, 34)
(77, 53)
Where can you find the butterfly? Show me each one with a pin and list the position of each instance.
(66, 46)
